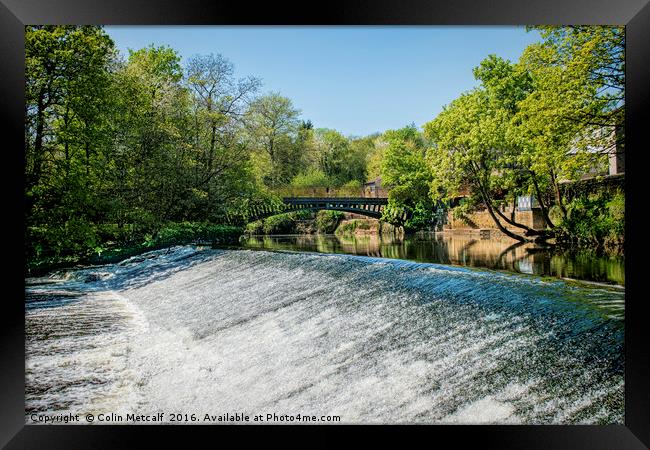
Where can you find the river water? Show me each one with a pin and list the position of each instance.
(460, 250)
(372, 340)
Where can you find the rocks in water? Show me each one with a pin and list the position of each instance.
(96, 276)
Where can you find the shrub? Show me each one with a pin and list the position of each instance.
(191, 232)
(108, 243)
(302, 215)
(279, 224)
(595, 221)
(256, 227)
(350, 226)
(418, 217)
(327, 221)
(347, 227)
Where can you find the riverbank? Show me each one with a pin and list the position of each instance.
(359, 226)
(593, 219)
(322, 222)
(108, 252)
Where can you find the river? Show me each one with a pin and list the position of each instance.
(195, 330)
(459, 250)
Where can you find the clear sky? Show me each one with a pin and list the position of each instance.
(357, 80)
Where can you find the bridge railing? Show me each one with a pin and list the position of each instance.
(324, 192)
(335, 200)
(368, 206)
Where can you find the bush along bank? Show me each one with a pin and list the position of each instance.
(362, 227)
(323, 222)
(297, 222)
(119, 245)
(594, 221)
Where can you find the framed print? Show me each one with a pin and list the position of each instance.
(358, 214)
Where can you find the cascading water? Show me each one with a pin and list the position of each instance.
(190, 330)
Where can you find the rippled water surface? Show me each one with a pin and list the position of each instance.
(369, 339)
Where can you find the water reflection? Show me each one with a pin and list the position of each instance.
(462, 250)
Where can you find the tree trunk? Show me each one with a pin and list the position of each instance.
(66, 144)
(547, 219)
(213, 139)
(488, 205)
(38, 142)
(87, 147)
(529, 231)
(558, 194)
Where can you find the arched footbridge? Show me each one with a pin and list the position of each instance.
(367, 206)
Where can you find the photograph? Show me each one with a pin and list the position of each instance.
(321, 225)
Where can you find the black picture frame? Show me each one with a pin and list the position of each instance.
(635, 14)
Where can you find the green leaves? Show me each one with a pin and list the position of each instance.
(274, 129)
(530, 125)
(595, 221)
(405, 171)
(117, 149)
(156, 66)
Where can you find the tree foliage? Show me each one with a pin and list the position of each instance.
(119, 148)
(550, 118)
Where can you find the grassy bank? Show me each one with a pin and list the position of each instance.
(112, 251)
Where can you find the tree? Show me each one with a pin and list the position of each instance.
(272, 122)
(375, 157)
(332, 150)
(312, 177)
(594, 57)
(405, 171)
(574, 115)
(467, 151)
(65, 67)
(67, 91)
(357, 165)
(506, 86)
(219, 102)
(531, 125)
(150, 119)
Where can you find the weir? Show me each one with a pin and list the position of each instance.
(370, 340)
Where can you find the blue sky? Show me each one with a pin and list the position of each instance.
(357, 80)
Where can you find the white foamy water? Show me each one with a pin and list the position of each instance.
(196, 331)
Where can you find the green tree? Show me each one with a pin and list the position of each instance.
(220, 159)
(468, 151)
(332, 148)
(67, 91)
(312, 177)
(405, 171)
(531, 125)
(150, 119)
(574, 116)
(273, 124)
(375, 157)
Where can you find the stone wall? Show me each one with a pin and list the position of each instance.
(482, 219)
